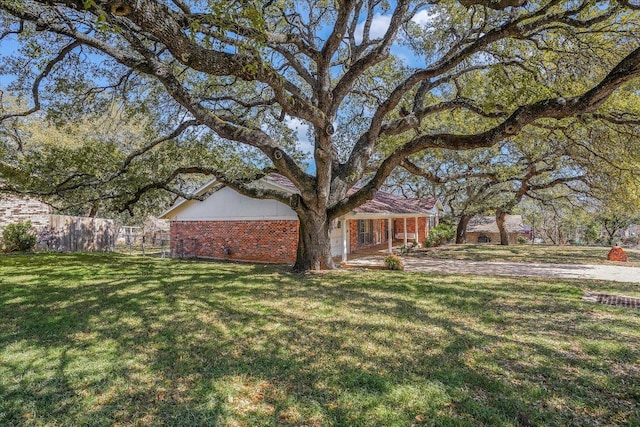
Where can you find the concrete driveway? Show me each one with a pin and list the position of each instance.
(613, 273)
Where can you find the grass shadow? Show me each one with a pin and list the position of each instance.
(104, 339)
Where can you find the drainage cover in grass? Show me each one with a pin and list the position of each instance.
(619, 300)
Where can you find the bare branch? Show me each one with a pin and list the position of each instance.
(375, 56)
(136, 153)
(9, 31)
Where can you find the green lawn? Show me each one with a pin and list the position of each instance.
(529, 253)
(115, 340)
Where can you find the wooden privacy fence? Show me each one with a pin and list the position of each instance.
(71, 234)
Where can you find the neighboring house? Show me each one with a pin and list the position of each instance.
(57, 232)
(229, 225)
(484, 229)
(630, 235)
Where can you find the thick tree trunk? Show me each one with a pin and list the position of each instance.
(314, 243)
(461, 231)
(93, 211)
(504, 236)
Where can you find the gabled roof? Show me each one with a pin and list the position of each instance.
(383, 203)
(487, 224)
(281, 181)
(210, 187)
(387, 203)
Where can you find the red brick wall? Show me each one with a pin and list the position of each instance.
(353, 235)
(384, 230)
(422, 230)
(398, 226)
(261, 241)
(379, 227)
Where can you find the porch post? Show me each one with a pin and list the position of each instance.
(405, 231)
(344, 240)
(426, 227)
(417, 234)
(390, 235)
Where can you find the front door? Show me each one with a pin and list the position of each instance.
(336, 240)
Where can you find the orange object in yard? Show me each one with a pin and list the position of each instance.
(617, 254)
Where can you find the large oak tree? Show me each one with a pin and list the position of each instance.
(495, 180)
(369, 79)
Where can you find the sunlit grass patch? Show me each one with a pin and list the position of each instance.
(529, 253)
(108, 339)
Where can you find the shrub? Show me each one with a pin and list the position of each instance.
(522, 240)
(406, 249)
(439, 235)
(393, 262)
(19, 237)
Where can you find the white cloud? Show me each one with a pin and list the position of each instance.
(425, 18)
(379, 25)
(302, 132)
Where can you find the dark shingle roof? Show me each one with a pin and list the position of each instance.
(382, 203)
(280, 180)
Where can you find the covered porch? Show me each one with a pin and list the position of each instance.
(363, 233)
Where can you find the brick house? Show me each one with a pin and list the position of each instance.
(229, 225)
(484, 229)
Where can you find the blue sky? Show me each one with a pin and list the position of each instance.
(379, 26)
(7, 46)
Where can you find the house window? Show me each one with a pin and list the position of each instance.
(365, 231)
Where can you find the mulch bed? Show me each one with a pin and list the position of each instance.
(609, 299)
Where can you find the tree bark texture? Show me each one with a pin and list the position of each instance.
(314, 242)
(504, 235)
(461, 231)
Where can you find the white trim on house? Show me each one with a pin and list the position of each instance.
(246, 218)
(179, 205)
(385, 215)
(224, 204)
(184, 203)
(262, 183)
